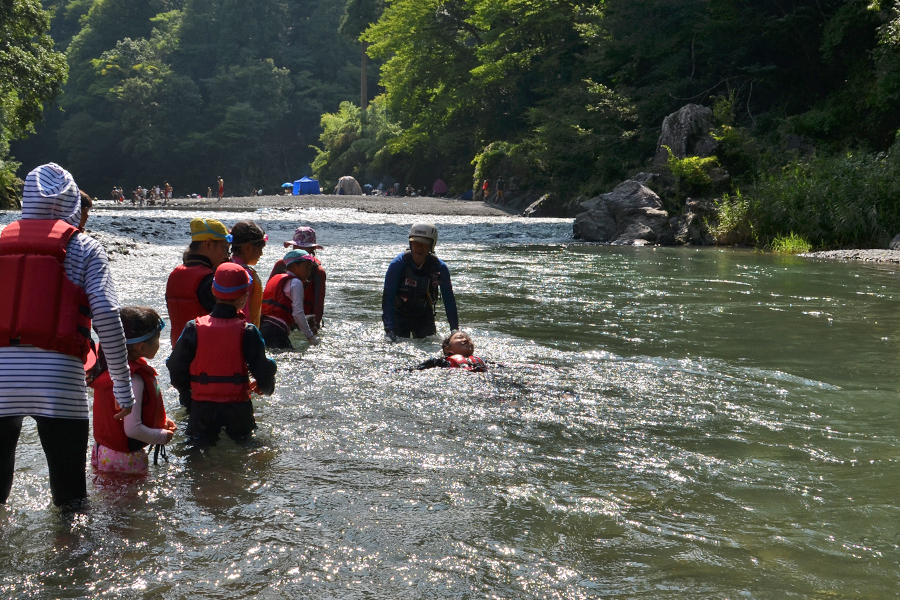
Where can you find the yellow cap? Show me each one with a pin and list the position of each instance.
(207, 229)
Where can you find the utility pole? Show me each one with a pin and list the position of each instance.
(364, 79)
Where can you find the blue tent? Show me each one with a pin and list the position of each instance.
(306, 186)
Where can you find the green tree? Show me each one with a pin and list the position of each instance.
(31, 73)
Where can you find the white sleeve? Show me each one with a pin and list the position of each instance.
(134, 427)
(296, 293)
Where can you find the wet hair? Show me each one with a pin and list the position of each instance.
(138, 321)
(445, 343)
(245, 232)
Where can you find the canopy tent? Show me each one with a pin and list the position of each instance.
(306, 186)
(439, 188)
(348, 186)
(467, 195)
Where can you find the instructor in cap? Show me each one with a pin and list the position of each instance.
(414, 282)
(55, 282)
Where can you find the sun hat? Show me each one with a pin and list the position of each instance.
(303, 236)
(208, 229)
(231, 281)
(296, 256)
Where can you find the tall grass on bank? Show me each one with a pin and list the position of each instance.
(850, 200)
(789, 244)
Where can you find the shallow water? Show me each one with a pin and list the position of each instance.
(658, 423)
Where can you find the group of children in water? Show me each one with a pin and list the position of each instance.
(222, 321)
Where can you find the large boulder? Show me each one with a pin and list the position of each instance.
(631, 214)
(687, 133)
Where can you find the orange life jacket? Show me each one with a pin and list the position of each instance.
(181, 296)
(275, 302)
(108, 430)
(219, 371)
(253, 308)
(469, 363)
(39, 305)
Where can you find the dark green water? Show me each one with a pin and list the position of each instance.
(658, 423)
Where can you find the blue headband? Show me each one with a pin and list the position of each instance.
(229, 290)
(147, 336)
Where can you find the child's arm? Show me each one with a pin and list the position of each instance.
(134, 427)
(262, 368)
(297, 295)
(179, 362)
(433, 362)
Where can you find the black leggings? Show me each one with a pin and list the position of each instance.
(65, 446)
(274, 334)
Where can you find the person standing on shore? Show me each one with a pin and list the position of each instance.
(221, 188)
(501, 187)
(414, 282)
(485, 190)
(189, 288)
(53, 273)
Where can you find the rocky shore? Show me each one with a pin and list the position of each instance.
(882, 256)
(371, 204)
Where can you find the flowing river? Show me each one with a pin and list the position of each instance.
(657, 423)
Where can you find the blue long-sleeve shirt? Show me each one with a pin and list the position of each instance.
(392, 282)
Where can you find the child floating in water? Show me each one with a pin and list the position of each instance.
(119, 445)
(458, 350)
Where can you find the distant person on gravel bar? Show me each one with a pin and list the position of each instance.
(414, 282)
(55, 281)
(189, 288)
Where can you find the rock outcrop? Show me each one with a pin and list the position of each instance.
(691, 227)
(551, 205)
(687, 133)
(631, 214)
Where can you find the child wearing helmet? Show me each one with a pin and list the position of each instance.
(414, 282)
(282, 306)
(313, 291)
(214, 358)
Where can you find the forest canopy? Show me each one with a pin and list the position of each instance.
(561, 95)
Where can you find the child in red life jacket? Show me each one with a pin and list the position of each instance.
(282, 306)
(458, 350)
(214, 358)
(119, 446)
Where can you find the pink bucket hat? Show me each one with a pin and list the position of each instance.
(305, 237)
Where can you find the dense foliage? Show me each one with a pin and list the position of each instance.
(187, 90)
(561, 95)
(31, 73)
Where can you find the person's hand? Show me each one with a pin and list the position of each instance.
(312, 324)
(170, 425)
(169, 436)
(391, 336)
(122, 413)
(254, 388)
(314, 340)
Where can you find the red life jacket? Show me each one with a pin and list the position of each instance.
(109, 431)
(39, 305)
(219, 372)
(469, 363)
(181, 296)
(275, 302)
(313, 291)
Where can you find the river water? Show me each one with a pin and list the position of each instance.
(657, 423)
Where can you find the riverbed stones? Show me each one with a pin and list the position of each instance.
(687, 133)
(631, 214)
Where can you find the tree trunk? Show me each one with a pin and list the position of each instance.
(364, 79)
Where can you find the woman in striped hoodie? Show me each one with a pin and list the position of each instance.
(55, 280)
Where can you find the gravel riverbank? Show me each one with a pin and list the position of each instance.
(370, 204)
(883, 256)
